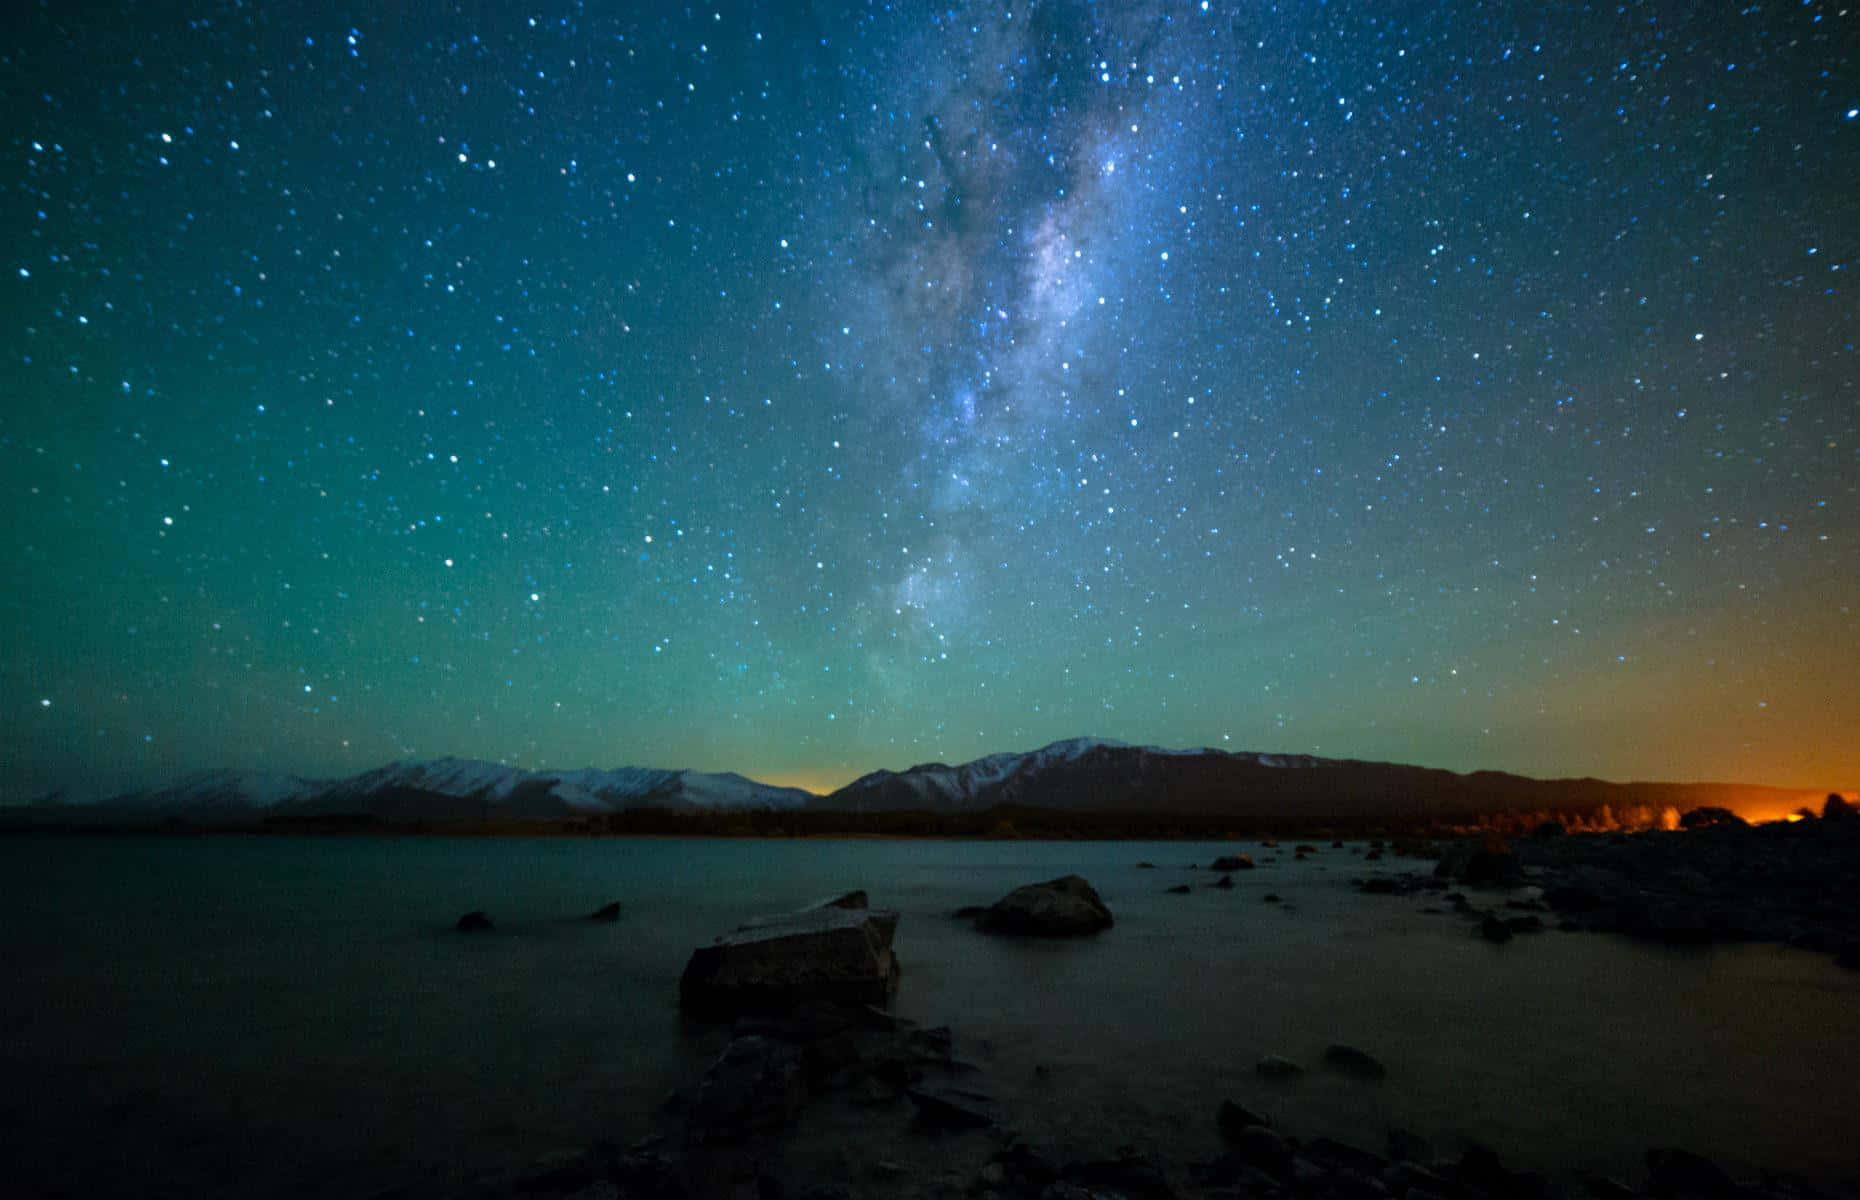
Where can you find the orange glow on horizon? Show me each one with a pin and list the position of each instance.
(819, 781)
(1759, 810)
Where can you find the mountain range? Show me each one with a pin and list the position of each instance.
(1081, 775)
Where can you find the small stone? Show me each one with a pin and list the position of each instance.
(474, 922)
(606, 912)
(1274, 1067)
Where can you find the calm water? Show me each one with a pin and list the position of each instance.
(232, 1016)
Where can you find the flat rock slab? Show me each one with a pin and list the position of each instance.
(829, 955)
(950, 1109)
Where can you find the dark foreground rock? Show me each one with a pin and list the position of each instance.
(474, 922)
(950, 1108)
(901, 1130)
(1063, 907)
(606, 912)
(827, 956)
(755, 1087)
(1232, 862)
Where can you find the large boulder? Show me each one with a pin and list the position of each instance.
(826, 956)
(1063, 907)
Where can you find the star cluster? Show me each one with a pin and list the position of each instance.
(806, 388)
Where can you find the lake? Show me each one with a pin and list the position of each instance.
(232, 1016)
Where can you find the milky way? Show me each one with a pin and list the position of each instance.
(802, 389)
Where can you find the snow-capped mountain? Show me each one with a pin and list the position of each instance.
(1096, 775)
(1042, 777)
(517, 791)
(461, 788)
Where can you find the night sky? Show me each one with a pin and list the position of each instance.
(801, 389)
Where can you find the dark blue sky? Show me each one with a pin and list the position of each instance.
(806, 388)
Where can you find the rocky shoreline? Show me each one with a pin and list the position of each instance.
(1795, 883)
(822, 1094)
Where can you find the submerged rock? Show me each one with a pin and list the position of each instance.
(1225, 881)
(1348, 1060)
(1274, 1067)
(1180, 889)
(606, 912)
(1063, 907)
(474, 922)
(818, 956)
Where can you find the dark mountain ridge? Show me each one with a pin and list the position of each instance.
(1081, 782)
(1095, 775)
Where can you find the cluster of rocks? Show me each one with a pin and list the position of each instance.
(810, 1041)
(1715, 880)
